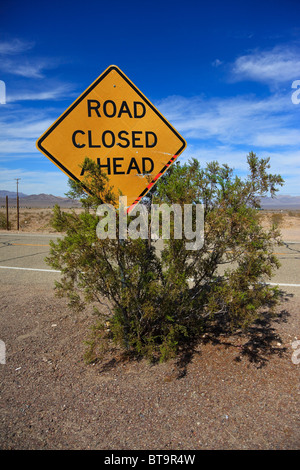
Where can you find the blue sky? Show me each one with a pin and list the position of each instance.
(221, 72)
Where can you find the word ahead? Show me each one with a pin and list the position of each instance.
(115, 166)
(115, 125)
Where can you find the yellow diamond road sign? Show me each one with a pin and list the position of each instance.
(115, 125)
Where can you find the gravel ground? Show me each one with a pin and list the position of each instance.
(227, 393)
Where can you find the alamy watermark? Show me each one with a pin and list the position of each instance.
(296, 354)
(296, 94)
(188, 223)
(2, 92)
(2, 352)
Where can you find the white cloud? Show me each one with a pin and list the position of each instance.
(24, 70)
(26, 129)
(27, 69)
(34, 182)
(227, 129)
(279, 65)
(13, 62)
(285, 138)
(15, 146)
(15, 46)
(50, 92)
(19, 130)
(217, 63)
(237, 120)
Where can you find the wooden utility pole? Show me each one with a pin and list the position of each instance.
(7, 221)
(18, 212)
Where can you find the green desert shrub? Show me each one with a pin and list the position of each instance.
(153, 302)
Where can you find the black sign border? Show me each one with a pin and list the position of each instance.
(81, 97)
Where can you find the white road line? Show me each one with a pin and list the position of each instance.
(268, 283)
(30, 269)
(191, 280)
(276, 284)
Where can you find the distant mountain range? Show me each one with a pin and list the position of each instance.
(48, 200)
(36, 200)
(4, 193)
(281, 202)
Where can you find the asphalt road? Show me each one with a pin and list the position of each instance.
(22, 262)
(22, 259)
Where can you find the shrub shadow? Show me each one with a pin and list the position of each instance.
(258, 344)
